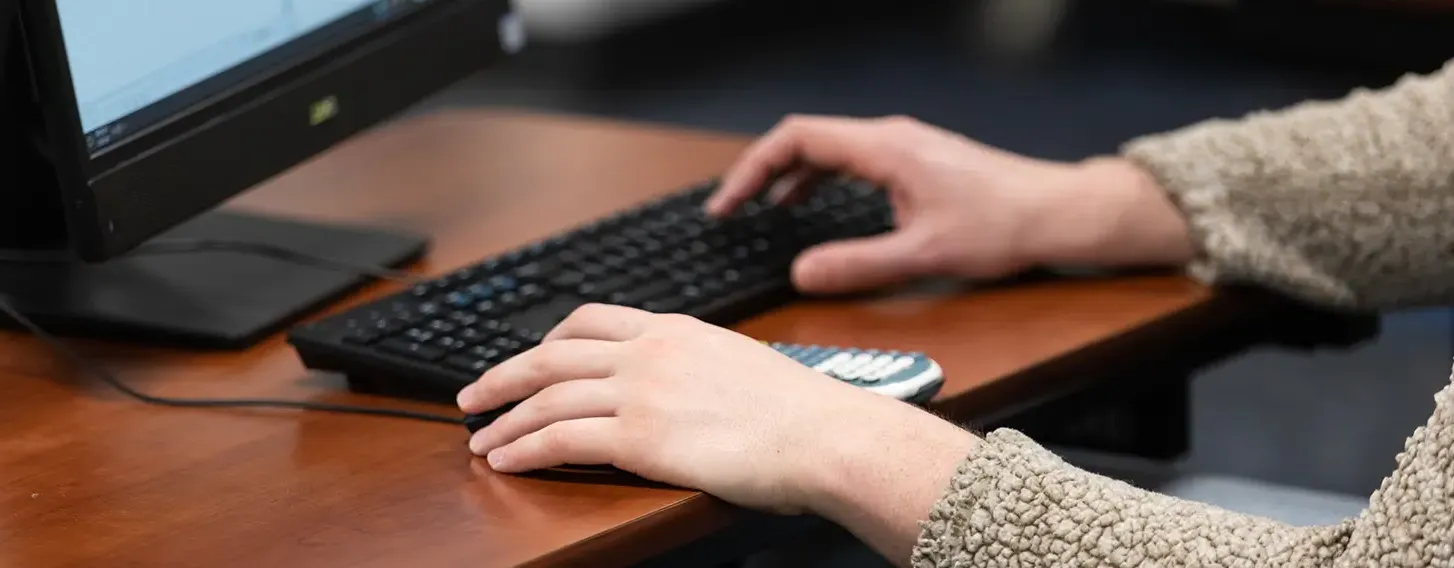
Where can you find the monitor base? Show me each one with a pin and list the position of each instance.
(217, 299)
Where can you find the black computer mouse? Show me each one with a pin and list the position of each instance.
(477, 422)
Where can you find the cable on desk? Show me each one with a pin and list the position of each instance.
(194, 246)
(95, 368)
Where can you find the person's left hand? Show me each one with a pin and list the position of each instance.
(679, 401)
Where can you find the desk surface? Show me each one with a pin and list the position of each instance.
(90, 478)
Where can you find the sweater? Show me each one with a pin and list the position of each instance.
(1347, 204)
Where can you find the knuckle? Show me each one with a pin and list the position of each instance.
(900, 120)
(654, 343)
(654, 347)
(792, 119)
(553, 440)
(794, 124)
(639, 429)
(675, 320)
(900, 125)
(541, 359)
(934, 250)
(587, 312)
(545, 400)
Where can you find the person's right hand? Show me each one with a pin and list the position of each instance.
(962, 208)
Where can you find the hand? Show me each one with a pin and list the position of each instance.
(676, 400)
(962, 208)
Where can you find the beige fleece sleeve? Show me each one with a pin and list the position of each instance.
(1014, 504)
(1346, 203)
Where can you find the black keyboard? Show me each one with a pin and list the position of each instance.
(664, 256)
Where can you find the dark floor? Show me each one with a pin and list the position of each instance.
(1329, 421)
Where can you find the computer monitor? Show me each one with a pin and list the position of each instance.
(125, 122)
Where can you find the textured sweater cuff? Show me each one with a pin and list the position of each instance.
(1199, 190)
(1341, 203)
(960, 520)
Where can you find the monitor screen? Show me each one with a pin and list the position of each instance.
(134, 63)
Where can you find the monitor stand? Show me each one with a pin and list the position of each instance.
(207, 299)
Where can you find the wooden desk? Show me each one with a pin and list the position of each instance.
(93, 479)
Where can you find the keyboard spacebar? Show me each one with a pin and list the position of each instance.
(544, 317)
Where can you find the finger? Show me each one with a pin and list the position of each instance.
(602, 322)
(571, 400)
(587, 441)
(794, 187)
(786, 185)
(523, 375)
(825, 143)
(861, 264)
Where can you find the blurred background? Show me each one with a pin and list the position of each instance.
(1051, 78)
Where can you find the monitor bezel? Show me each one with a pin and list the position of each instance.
(195, 160)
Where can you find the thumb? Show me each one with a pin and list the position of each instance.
(856, 265)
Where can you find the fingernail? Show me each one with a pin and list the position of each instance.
(463, 397)
(477, 443)
(496, 459)
(779, 191)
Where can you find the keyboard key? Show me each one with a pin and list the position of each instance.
(468, 364)
(667, 305)
(531, 293)
(487, 354)
(362, 337)
(464, 319)
(504, 283)
(506, 345)
(441, 326)
(544, 317)
(411, 350)
(473, 336)
(539, 269)
(488, 308)
(568, 280)
(449, 344)
(494, 327)
(613, 285)
(480, 291)
(638, 295)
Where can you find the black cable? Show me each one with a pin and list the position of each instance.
(193, 246)
(91, 366)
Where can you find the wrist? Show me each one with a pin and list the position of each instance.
(882, 479)
(1107, 212)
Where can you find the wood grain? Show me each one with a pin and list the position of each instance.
(93, 479)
